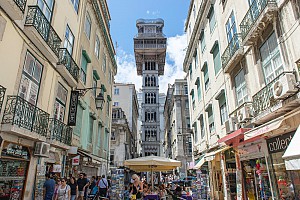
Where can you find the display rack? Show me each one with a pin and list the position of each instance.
(117, 183)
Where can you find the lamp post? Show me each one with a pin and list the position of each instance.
(99, 100)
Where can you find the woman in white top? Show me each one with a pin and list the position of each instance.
(63, 191)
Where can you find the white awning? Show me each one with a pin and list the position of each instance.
(200, 163)
(292, 153)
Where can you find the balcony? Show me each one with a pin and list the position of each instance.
(257, 17)
(60, 132)
(38, 28)
(233, 53)
(22, 118)
(67, 67)
(14, 8)
(266, 107)
(2, 94)
(150, 46)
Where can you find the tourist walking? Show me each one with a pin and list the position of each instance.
(137, 187)
(63, 191)
(82, 185)
(58, 183)
(49, 187)
(74, 188)
(103, 186)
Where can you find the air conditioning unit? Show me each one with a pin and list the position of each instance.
(42, 149)
(284, 87)
(244, 113)
(231, 125)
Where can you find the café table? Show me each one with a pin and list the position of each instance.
(151, 197)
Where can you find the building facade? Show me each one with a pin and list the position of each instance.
(54, 50)
(178, 133)
(125, 97)
(150, 53)
(242, 73)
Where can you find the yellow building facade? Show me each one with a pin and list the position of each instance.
(49, 49)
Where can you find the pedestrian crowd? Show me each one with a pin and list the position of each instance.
(71, 188)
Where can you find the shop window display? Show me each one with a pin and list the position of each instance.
(257, 182)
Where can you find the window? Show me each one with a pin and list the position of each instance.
(116, 91)
(150, 81)
(186, 90)
(212, 20)
(75, 4)
(77, 129)
(99, 135)
(30, 79)
(230, 27)
(188, 145)
(116, 103)
(104, 63)
(206, 77)
(150, 98)
(88, 25)
(193, 98)
(195, 132)
(69, 40)
(195, 58)
(240, 88)
(97, 46)
(107, 108)
(202, 127)
(188, 122)
(113, 136)
(217, 58)
(150, 134)
(60, 103)
(46, 7)
(223, 108)
(150, 65)
(83, 69)
(198, 89)
(191, 71)
(150, 116)
(94, 87)
(202, 41)
(112, 157)
(211, 123)
(91, 130)
(271, 59)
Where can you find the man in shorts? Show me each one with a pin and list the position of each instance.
(82, 183)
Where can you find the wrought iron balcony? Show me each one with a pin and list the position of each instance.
(231, 52)
(60, 131)
(257, 8)
(264, 98)
(66, 62)
(14, 8)
(23, 114)
(35, 18)
(2, 94)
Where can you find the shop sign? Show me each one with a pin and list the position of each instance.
(73, 108)
(14, 150)
(75, 160)
(279, 143)
(56, 168)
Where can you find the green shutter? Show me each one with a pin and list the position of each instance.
(99, 135)
(222, 100)
(91, 130)
(217, 59)
(199, 90)
(210, 115)
(84, 63)
(205, 71)
(77, 129)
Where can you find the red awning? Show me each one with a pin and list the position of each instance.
(233, 139)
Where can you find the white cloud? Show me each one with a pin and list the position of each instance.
(148, 12)
(173, 68)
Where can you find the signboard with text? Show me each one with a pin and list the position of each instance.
(73, 108)
(279, 143)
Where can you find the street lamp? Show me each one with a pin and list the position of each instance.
(99, 100)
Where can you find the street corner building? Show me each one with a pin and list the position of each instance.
(57, 72)
(242, 67)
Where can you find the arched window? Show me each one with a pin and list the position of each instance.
(150, 116)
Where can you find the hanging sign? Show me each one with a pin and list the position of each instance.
(56, 168)
(73, 108)
(75, 160)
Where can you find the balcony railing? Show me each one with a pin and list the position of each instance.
(146, 35)
(60, 131)
(234, 45)
(21, 4)
(66, 59)
(256, 8)
(150, 46)
(37, 19)
(2, 94)
(264, 98)
(21, 113)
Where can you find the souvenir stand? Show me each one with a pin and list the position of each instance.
(117, 183)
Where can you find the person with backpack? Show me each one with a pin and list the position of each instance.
(63, 191)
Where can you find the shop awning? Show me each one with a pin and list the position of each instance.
(95, 159)
(260, 130)
(233, 139)
(292, 153)
(199, 163)
(211, 155)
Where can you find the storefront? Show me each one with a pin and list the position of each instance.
(287, 183)
(14, 164)
(230, 173)
(255, 172)
(201, 188)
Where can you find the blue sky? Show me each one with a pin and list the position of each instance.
(124, 15)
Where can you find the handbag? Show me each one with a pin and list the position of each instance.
(133, 196)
